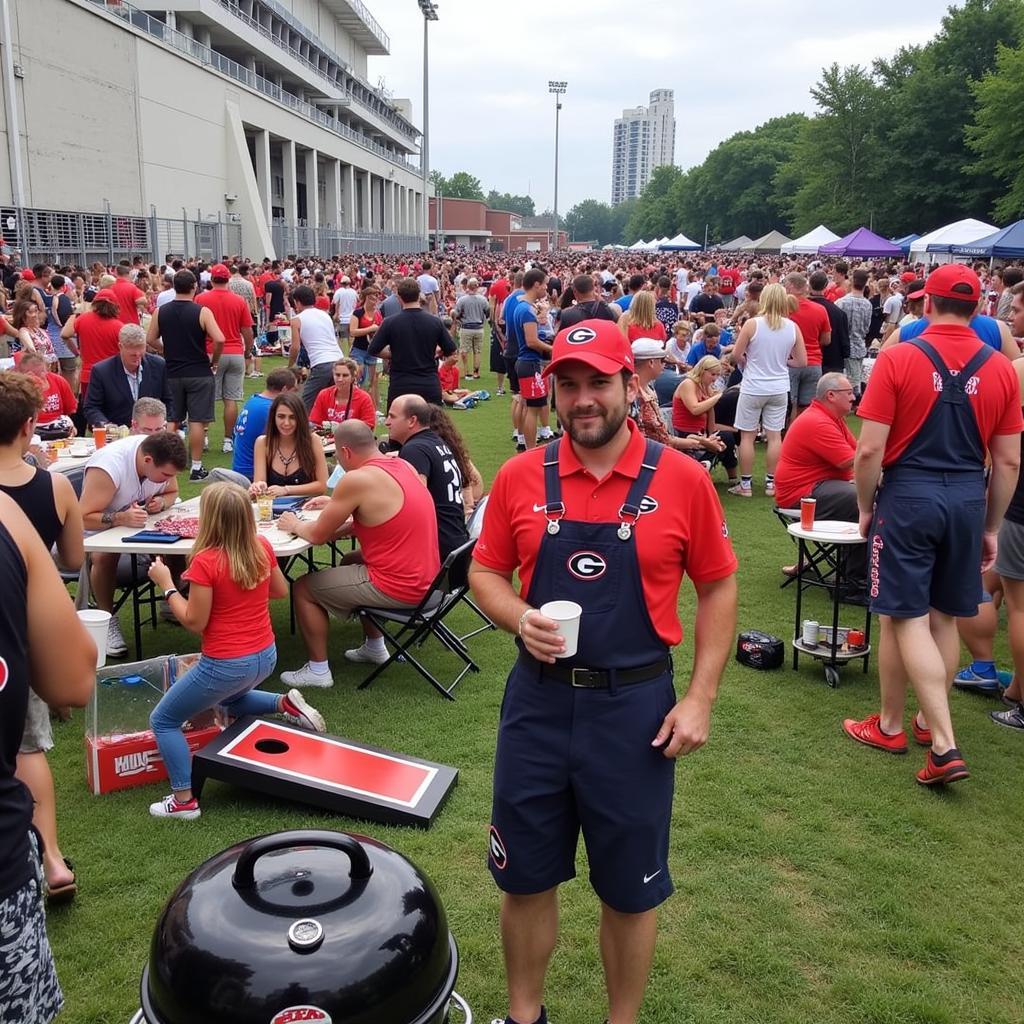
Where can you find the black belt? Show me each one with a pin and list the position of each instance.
(601, 678)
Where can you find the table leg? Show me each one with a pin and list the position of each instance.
(840, 575)
(136, 612)
(801, 552)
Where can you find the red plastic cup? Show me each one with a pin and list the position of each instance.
(855, 638)
(807, 506)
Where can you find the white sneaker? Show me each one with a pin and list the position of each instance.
(227, 447)
(206, 444)
(306, 716)
(769, 490)
(170, 808)
(364, 654)
(381, 418)
(305, 676)
(116, 646)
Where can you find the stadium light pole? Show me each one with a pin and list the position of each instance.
(429, 10)
(558, 89)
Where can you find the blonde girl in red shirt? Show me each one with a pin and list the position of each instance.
(233, 575)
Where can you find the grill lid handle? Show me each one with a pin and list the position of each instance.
(244, 877)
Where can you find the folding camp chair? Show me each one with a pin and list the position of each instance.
(821, 566)
(417, 624)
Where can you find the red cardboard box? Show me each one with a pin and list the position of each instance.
(132, 760)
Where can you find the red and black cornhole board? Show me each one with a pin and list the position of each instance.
(340, 775)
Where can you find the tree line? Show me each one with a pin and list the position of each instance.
(930, 136)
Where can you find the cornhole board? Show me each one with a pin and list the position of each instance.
(339, 775)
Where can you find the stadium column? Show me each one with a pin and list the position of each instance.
(291, 192)
(348, 198)
(332, 188)
(263, 180)
(312, 190)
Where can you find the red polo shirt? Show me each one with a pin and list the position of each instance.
(684, 533)
(58, 399)
(813, 322)
(814, 449)
(907, 386)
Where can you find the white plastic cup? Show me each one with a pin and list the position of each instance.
(810, 633)
(567, 615)
(97, 623)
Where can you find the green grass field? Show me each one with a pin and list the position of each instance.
(816, 882)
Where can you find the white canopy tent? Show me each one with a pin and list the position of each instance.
(680, 242)
(935, 246)
(811, 242)
(639, 244)
(736, 244)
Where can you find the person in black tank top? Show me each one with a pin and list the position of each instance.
(62, 674)
(36, 499)
(179, 332)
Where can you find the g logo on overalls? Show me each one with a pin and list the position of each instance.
(587, 565)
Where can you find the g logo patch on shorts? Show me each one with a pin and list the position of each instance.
(497, 850)
(587, 565)
(4, 674)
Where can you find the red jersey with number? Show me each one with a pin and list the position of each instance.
(814, 449)
(681, 529)
(904, 386)
(239, 619)
(232, 314)
(813, 322)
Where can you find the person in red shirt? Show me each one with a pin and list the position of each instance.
(451, 393)
(98, 332)
(499, 290)
(58, 399)
(384, 505)
(935, 407)
(343, 400)
(234, 318)
(728, 281)
(610, 521)
(840, 285)
(816, 329)
(232, 576)
(130, 300)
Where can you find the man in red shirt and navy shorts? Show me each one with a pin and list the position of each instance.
(934, 407)
(612, 521)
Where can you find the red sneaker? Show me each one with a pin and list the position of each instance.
(869, 732)
(953, 770)
(922, 735)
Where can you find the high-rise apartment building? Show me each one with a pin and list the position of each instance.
(643, 138)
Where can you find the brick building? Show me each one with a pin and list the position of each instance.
(471, 224)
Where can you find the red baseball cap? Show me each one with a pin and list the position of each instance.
(27, 275)
(105, 295)
(953, 281)
(907, 276)
(219, 272)
(597, 343)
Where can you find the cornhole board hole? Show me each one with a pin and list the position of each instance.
(339, 775)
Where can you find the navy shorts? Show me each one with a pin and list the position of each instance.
(513, 377)
(924, 548)
(571, 760)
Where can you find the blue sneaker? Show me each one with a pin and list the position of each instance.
(483, 396)
(971, 682)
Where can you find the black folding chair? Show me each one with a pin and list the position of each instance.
(419, 623)
(821, 567)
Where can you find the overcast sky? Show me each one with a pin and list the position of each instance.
(732, 66)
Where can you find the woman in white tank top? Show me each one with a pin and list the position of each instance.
(767, 346)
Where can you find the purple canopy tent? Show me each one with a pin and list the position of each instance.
(861, 242)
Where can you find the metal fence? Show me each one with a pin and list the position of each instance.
(64, 237)
(297, 240)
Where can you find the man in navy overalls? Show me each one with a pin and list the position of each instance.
(587, 743)
(938, 404)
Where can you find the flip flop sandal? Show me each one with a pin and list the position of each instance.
(63, 893)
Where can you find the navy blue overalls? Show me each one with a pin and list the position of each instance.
(925, 541)
(574, 740)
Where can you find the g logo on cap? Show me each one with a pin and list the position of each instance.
(580, 335)
(4, 674)
(587, 565)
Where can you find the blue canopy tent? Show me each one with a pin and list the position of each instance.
(1007, 244)
(905, 242)
(861, 242)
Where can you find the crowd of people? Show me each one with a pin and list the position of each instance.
(617, 366)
